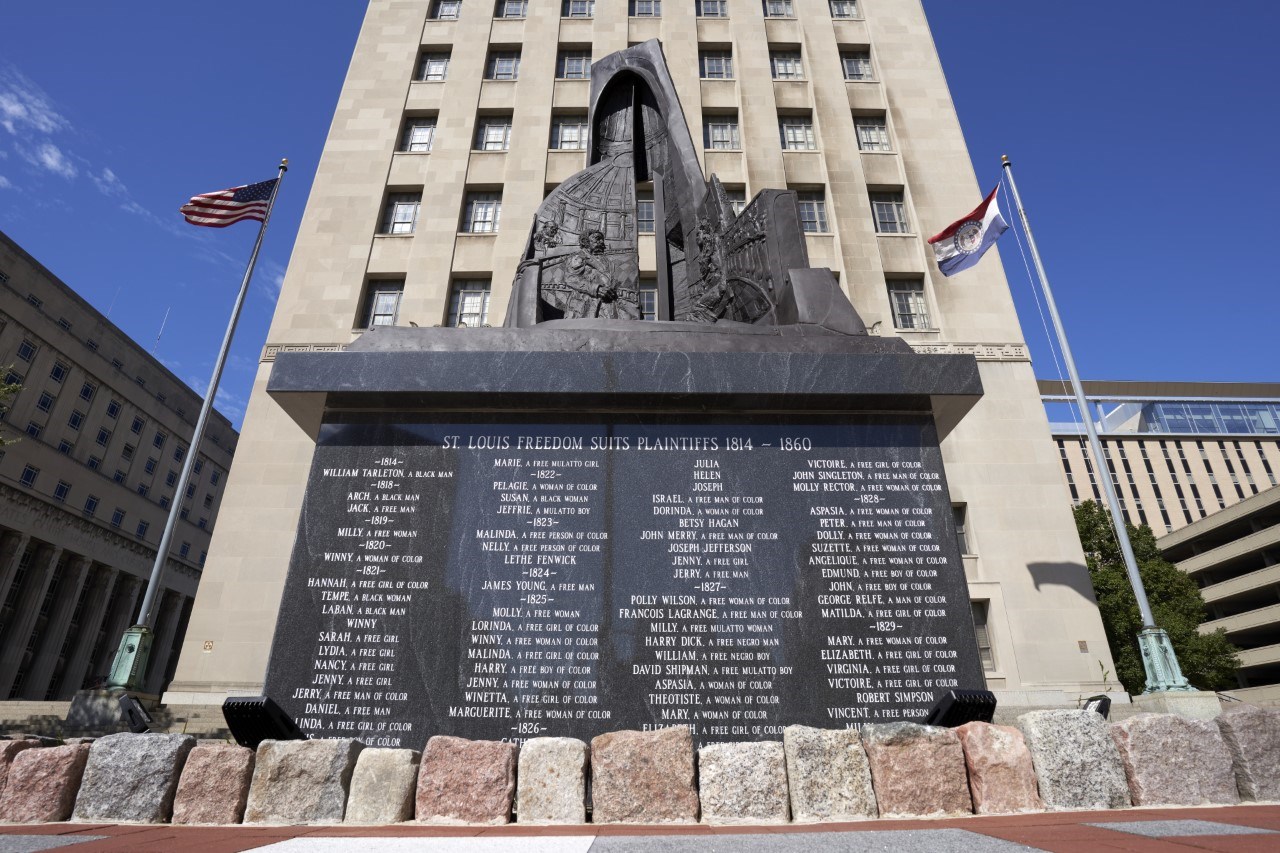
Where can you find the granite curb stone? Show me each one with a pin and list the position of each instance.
(1252, 735)
(644, 777)
(466, 781)
(301, 781)
(9, 750)
(1002, 779)
(551, 785)
(1076, 761)
(917, 770)
(132, 777)
(1174, 760)
(43, 783)
(743, 783)
(382, 786)
(214, 786)
(828, 775)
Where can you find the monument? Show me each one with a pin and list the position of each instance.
(732, 517)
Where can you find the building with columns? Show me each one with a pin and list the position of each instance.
(96, 438)
(458, 116)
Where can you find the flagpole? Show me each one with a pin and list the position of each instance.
(1158, 658)
(130, 664)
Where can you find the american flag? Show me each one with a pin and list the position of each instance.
(227, 207)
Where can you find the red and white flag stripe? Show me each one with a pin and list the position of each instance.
(227, 207)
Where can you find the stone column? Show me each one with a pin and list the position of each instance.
(162, 642)
(101, 583)
(26, 609)
(11, 551)
(120, 617)
(36, 684)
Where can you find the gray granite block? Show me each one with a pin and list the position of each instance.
(743, 783)
(301, 781)
(1173, 760)
(132, 777)
(382, 786)
(828, 775)
(551, 783)
(1077, 763)
(1252, 735)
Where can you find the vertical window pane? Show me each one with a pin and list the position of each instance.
(503, 65)
(844, 8)
(512, 8)
(577, 8)
(985, 651)
(469, 303)
(433, 66)
(890, 213)
(721, 132)
(786, 65)
(401, 214)
(493, 133)
(906, 298)
(573, 65)
(419, 133)
(644, 212)
(797, 133)
(778, 9)
(716, 64)
(482, 212)
(857, 64)
(813, 211)
(569, 133)
(712, 8)
(872, 133)
(645, 8)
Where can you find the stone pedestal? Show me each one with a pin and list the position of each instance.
(1002, 778)
(466, 781)
(644, 777)
(382, 786)
(43, 783)
(828, 774)
(743, 783)
(1196, 704)
(132, 777)
(1173, 760)
(917, 770)
(552, 781)
(301, 781)
(1077, 763)
(214, 786)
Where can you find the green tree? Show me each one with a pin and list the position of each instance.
(1208, 661)
(8, 390)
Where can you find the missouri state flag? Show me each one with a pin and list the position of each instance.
(963, 243)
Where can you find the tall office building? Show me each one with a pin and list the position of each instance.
(458, 116)
(99, 432)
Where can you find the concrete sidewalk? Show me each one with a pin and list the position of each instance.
(1231, 829)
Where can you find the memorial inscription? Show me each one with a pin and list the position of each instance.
(505, 581)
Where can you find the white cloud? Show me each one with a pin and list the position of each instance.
(110, 185)
(25, 107)
(50, 157)
(5, 183)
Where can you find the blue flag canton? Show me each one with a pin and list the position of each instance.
(255, 192)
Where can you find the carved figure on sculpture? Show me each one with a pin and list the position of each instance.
(586, 282)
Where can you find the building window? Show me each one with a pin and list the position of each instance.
(29, 475)
(87, 390)
(35, 300)
(126, 452)
(960, 513)
(113, 409)
(171, 478)
(648, 299)
(418, 135)
(786, 65)
(506, 9)
(76, 420)
(64, 447)
(27, 350)
(645, 8)
(796, 132)
(381, 304)
(117, 517)
(92, 345)
(143, 489)
(906, 299)
(159, 440)
(715, 64)
(12, 378)
(117, 364)
(482, 212)
(573, 65)
(179, 453)
(165, 501)
(198, 467)
(64, 324)
(203, 556)
(119, 476)
(433, 66)
(577, 8)
(150, 467)
(813, 211)
(34, 429)
(502, 65)
(45, 403)
(446, 10)
(59, 372)
(644, 212)
(214, 477)
(400, 216)
(844, 8)
(720, 132)
(779, 9)
(104, 436)
(569, 133)
(980, 613)
(94, 463)
(184, 549)
(184, 512)
(61, 491)
(493, 133)
(202, 523)
(737, 197)
(191, 490)
(857, 64)
(90, 505)
(208, 501)
(712, 8)
(143, 527)
(469, 303)
(890, 213)
(873, 134)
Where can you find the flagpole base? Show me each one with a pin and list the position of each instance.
(1164, 675)
(130, 664)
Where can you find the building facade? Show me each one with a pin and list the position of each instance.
(98, 434)
(458, 116)
(1197, 462)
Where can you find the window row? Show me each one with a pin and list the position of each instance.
(451, 10)
(785, 63)
(720, 132)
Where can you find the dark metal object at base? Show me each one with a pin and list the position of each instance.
(253, 719)
(1101, 704)
(962, 706)
(133, 715)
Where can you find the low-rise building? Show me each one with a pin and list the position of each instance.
(98, 433)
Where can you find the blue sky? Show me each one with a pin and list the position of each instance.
(1145, 148)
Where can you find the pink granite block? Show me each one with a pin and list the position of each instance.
(466, 781)
(1001, 777)
(644, 777)
(43, 784)
(214, 786)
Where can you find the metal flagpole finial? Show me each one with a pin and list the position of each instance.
(1004, 158)
(284, 164)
